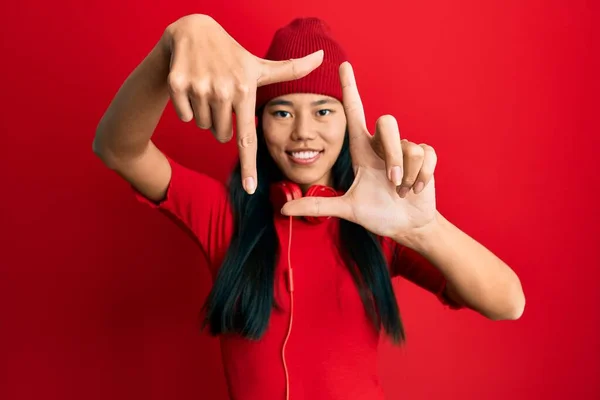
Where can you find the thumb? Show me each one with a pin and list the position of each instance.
(314, 206)
(287, 70)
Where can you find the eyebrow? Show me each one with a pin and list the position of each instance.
(277, 102)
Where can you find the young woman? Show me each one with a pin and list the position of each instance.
(317, 218)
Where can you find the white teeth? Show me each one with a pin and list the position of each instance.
(304, 155)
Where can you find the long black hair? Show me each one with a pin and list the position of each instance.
(242, 296)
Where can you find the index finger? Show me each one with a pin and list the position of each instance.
(353, 106)
(247, 140)
(287, 70)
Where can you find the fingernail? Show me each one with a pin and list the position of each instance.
(418, 187)
(396, 175)
(249, 185)
(403, 191)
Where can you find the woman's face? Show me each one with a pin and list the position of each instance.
(304, 134)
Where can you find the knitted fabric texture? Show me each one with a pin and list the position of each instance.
(300, 38)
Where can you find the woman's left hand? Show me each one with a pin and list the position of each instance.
(393, 193)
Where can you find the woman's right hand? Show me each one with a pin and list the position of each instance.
(211, 77)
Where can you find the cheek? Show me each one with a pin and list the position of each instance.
(337, 130)
(272, 148)
(335, 139)
(273, 142)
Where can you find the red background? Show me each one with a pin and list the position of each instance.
(99, 295)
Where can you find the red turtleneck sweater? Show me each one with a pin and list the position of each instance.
(332, 349)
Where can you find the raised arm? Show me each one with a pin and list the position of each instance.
(207, 75)
(123, 136)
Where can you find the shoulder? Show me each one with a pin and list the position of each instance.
(200, 205)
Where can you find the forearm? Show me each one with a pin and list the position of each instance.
(478, 277)
(127, 126)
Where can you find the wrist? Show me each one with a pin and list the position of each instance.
(421, 238)
(164, 44)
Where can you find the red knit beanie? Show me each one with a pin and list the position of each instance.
(300, 38)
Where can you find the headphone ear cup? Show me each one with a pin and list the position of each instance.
(294, 191)
(320, 191)
(282, 192)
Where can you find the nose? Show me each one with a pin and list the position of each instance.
(304, 129)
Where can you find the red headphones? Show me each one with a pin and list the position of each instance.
(284, 191)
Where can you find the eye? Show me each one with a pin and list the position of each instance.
(281, 114)
(324, 112)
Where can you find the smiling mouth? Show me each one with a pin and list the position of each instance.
(305, 156)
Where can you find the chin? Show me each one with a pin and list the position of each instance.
(306, 178)
(304, 174)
